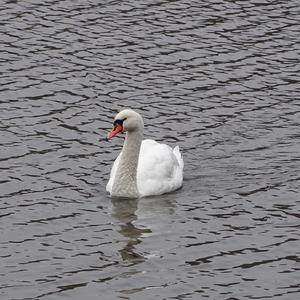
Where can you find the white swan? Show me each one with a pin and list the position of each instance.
(143, 168)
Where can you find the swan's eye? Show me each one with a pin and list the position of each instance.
(119, 121)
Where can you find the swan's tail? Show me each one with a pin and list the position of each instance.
(178, 155)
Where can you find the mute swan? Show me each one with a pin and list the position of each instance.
(143, 168)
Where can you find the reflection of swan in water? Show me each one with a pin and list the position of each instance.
(149, 213)
(124, 212)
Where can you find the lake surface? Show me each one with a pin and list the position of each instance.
(218, 78)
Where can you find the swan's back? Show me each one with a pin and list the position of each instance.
(160, 169)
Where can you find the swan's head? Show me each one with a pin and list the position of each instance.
(126, 120)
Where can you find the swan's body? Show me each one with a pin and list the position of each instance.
(144, 167)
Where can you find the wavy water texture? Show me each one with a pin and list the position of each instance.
(218, 78)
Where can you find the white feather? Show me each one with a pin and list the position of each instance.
(160, 169)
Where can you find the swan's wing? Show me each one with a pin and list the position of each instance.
(178, 155)
(113, 173)
(159, 169)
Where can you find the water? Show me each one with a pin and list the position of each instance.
(218, 78)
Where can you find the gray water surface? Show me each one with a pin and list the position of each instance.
(218, 78)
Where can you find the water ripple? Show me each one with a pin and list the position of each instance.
(218, 78)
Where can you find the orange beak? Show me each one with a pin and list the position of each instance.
(116, 129)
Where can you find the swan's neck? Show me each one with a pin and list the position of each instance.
(125, 184)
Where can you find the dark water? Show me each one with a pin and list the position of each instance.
(219, 78)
